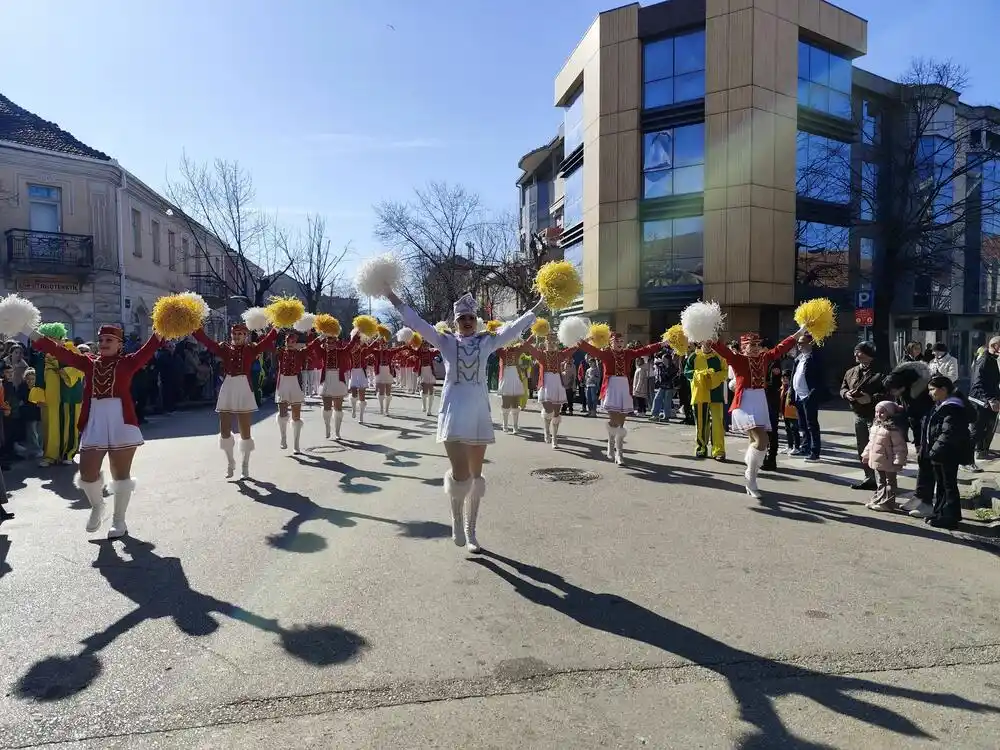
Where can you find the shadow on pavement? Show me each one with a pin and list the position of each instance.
(197, 423)
(292, 539)
(754, 680)
(160, 589)
(349, 481)
(4, 551)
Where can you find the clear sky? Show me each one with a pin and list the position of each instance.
(336, 104)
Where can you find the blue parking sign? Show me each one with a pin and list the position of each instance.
(864, 299)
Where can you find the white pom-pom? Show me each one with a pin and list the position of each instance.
(573, 330)
(200, 301)
(18, 315)
(404, 335)
(701, 321)
(256, 318)
(442, 327)
(305, 323)
(378, 275)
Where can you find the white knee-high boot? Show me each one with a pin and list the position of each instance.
(95, 496)
(476, 494)
(620, 434)
(296, 434)
(515, 416)
(612, 431)
(754, 460)
(381, 403)
(338, 419)
(456, 492)
(361, 411)
(283, 429)
(547, 424)
(556, 421)
(123, 489)
(246, 448)
(354, 406)
(423, 402)
(430, 403)
(228, 445)
(505, 413)
(327, 416)
(388, 398)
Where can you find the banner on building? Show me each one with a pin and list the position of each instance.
(48, 285)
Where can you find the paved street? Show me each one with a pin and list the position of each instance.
(324, 605)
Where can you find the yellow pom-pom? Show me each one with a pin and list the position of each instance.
(541, 328)
(327, 325)
(442, 327)
(600, 335)
(384, 332)
(284, 312)
(819, 316)
(367, 325)
(559, 284)
(176, 316)
(492, 326)
(417, 340)
(675, 338)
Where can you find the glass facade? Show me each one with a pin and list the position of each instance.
(574, 254)
(822, 168)
(871, 127)
(869, 191)
(824, 81)
(573, 204)
(673, 161)
(822, 255)
(866, 262)
(935, 167)
(573, 124)
(673, 254)
(673, 70)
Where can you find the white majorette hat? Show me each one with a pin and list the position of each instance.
(466, 305)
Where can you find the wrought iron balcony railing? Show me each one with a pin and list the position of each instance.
(209, 287)
(49, 250)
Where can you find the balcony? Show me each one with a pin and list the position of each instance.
(49, 251)
(211, 288)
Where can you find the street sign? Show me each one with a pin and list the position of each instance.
(864, 299)
(864, 316)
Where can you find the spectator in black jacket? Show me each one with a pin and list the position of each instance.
(862, 389)
(809, 384)
(907, 383)
(984, 394)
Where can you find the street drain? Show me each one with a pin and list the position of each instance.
(569, 476)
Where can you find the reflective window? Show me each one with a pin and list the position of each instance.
(673, 70)
(822, 255)
(574, 254)
(573, 124)
(823, 168)
(869, 191)
(673, 253)
(935, 170)
(870, 125)
(673, 161)
(824, 81)
(573, 204)
(866, 262)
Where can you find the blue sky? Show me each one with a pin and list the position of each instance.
(332, 110)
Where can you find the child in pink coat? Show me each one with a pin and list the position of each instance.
(885, 454)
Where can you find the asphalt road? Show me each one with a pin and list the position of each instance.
(323, 604)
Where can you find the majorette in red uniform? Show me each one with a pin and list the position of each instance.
(336, 370)
(551, 391)
(358, 380)
(292, 360)
(749, 408)
(314, 367)
(108, 422)
(425, 366)
(383, 355)
(413, 370)
(511, 388)
(236, 396)
(616, 390)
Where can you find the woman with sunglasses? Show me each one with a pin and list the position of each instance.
(464, 422)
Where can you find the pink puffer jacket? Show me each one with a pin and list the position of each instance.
(886, 449)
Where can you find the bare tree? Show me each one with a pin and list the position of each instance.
(312, 262)
(513, 267)
(217, 203)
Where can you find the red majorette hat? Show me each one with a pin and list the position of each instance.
(239, 328)
(615, 336)
(749, 338)
(115, 331)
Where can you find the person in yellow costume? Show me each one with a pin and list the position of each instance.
(63, 388)
(522, 372)
(707, 372)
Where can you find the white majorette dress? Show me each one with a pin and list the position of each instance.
(236, 395)
(510, 379)
(749, 409)
(464, 415)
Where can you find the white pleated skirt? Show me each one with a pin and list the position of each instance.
(552, 389)
(236, 396)
(427, 375)
(358, 378)
(464, 415)
(289, 391)
(384, 376)
(618, 396)
(333, 386)
(106, 428)
(752, 412)
(510, 383)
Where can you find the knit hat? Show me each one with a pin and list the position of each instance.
(886, 408)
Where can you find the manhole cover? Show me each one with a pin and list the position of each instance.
(569, 476)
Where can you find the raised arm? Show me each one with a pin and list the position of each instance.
(783, 347)
(267, 343)
(591, 349)
(61, 354)
(725, 352)
(429, 333)
(137, 360)
(645, 351)
(209, 343)
(567, 354)
(513, 330)
(532, 351)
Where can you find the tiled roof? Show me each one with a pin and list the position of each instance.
(18, 125)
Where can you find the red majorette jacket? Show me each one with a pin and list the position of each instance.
(237, 360)
(617, 363)
(511, 357)
(337, 356)
(383, 355)
(425, 358)
(104, 377)
(751, 372)
(548, 361)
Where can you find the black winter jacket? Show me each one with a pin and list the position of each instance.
(945, 432)
(985, 378)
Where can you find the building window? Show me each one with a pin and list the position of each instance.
(673, 161)
(673, 253)
(824, 81)
(171, 251)
(870, 126)
(573, 203)
(822, 255)
(154, 229)
(869, 191)
(573, 124)
(822, 168)
(935, 168)
(136, 233)
(574, 254)
(44, 208)
(184, 254)
(673, 70)
(866, 262)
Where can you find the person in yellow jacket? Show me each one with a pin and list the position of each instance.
(707, 373)
(63, 387)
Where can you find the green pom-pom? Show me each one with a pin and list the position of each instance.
(53, 330)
